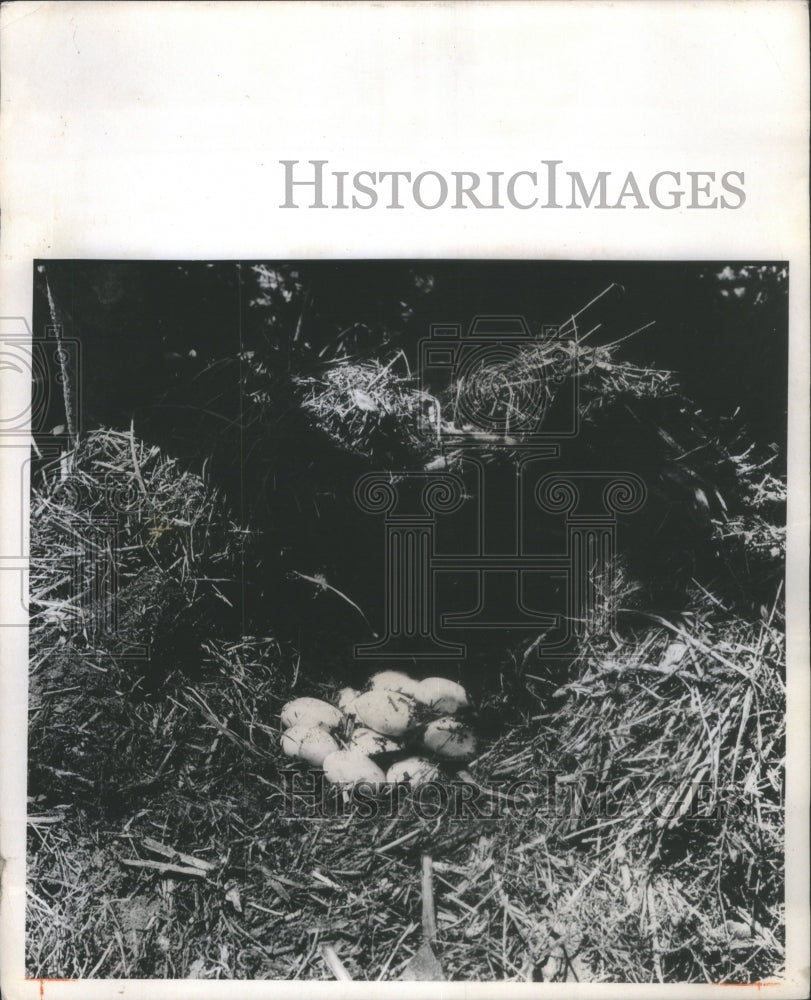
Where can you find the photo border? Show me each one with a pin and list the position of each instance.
(156, 131)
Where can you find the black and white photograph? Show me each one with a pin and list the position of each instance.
(408, 620)
(404, 509)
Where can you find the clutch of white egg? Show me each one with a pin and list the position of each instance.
(394, 713)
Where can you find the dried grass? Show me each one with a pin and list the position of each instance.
(369, 408)
(159, 844)
(602, 892)
(114, 505)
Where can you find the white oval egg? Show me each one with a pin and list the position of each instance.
(386, 712)
(450, 739)
(351, 767)
(369, 742)
(414, 770)
(393, 680)
(313, 711)
(345, 698)
(441, 695)
(309, 743)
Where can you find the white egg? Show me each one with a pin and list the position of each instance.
(449, 738)
(345, 698)
(414, 770)
(351, 767)
(309, 743)
(369, 742)
(441, 695)
(386, 712)
(312, 711)
(393, 680)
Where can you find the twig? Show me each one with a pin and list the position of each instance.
(409, 929)
(397, 842)
(322, 584)
(633, 333)
(596, 298)
(300, 321)
(135, 464)
(170, 852)
(654, 931)
(692, 640)
(63, 365)
(428, 909)
(382, 372)
(163, 867)
(335, 965)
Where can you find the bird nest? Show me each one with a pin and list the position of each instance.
(627, 809)
(629, 829)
